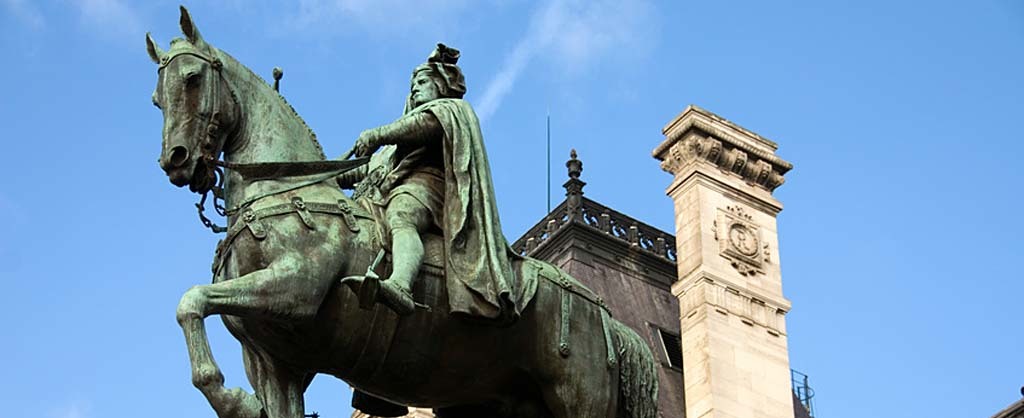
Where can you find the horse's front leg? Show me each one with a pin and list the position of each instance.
(287, 290)
(206, 376)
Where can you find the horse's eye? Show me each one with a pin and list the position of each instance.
(192, 79)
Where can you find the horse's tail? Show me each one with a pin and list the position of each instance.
(638, 377)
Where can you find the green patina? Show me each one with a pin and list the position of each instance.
(424, 193)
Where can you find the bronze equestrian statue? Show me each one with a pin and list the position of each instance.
(296, 276)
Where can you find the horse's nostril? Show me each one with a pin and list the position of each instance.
(179, 156)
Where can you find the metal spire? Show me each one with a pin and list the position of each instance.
(549, 162)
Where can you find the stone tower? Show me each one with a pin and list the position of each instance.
(729, 284)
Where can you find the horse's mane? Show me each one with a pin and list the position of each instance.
(255, 79)
(277, 94)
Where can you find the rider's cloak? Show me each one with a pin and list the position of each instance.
(476, 253)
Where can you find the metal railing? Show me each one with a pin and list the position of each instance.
(803, 390)
(604, 219)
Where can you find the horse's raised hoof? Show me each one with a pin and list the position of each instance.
(237, 403)
(396, 298)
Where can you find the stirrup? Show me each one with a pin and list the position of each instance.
(368, 289)
(365, 286)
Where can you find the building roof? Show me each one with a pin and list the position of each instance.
(1015, 410)
(581, 213)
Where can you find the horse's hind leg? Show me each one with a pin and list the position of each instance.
(279, 387)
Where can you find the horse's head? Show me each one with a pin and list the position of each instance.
(200, 109)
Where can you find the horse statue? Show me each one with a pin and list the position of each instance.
(287, 276)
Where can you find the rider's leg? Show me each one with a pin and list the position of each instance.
(407, 218)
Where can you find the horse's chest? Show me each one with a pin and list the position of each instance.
(242, 255)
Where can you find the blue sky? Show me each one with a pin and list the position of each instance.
(900, 242)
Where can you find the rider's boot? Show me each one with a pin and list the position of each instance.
(407, 258)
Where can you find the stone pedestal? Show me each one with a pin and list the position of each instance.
(732, 311)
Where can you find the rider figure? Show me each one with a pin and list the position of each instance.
(432, 170)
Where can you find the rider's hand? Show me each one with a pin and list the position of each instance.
(367, 143)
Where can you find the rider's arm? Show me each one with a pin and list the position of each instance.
(348, 179)
(420, 128)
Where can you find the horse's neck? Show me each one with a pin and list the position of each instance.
(268, 131)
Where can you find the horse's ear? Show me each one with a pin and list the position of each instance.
(155, 53)
(188, 27)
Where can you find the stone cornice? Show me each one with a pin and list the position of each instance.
(699, 135)
(725, 128)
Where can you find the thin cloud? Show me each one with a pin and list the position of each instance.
(378, 16)
(504, 80)
(25, 12)
(574, 34)
(112, 17)
(75, 409)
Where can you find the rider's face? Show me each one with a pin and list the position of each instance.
(423, 89)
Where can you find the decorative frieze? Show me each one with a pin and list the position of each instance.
(726, 156)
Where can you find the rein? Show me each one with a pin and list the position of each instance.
(218, 197)
(268, 171)
(278, 170)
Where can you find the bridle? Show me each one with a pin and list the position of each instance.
(213, 142)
